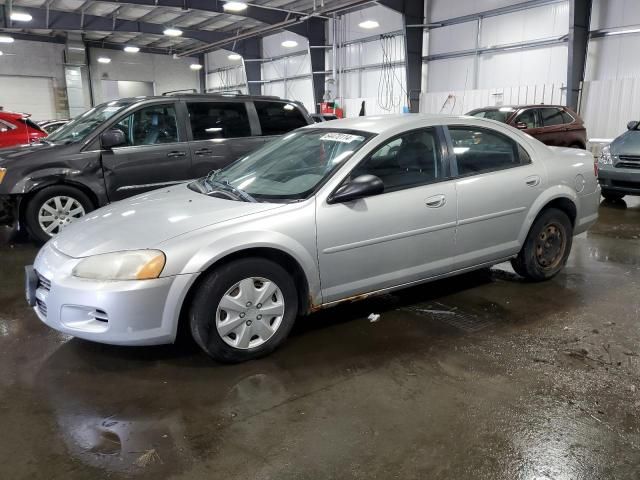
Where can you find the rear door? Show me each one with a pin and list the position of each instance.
(156, 152)
(278, 118)
(220, 133)
(554, 126)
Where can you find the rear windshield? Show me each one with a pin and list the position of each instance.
(498, 114)
(31, 124)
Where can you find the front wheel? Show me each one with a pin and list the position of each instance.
(53, 208)
(547, 246)
(243, 310)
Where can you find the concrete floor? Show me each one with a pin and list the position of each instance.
(480, 376)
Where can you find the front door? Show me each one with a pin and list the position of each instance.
(220, 134)
(155, 154)
(496, 188)
(403, 235)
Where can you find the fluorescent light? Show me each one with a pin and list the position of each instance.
(234, 6)
(624, 32)
(369, 24)
(172, 32)
(104, 60)
(289, 44)
(1, 53)
(131, 49)
(234, 56)
(21, 17)
(195, 66)
(6, 39)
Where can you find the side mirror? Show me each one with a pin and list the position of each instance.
(359, 187)
(112, 138)
(632, 125)
(521, 126)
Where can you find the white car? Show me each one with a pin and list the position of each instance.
(329, 213)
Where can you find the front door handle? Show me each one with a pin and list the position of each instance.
(436, 201)
(177, 154)
(202, 152)
(532, 181)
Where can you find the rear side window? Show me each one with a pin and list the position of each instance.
(6, 126)
(551, 117)
(481, 150)
(279, 118)
(566, 117)
(211, 120)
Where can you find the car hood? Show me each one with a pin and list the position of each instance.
(626, 144)
(146, 220)
(21, 152)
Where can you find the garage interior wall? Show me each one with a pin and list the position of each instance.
(224, 74)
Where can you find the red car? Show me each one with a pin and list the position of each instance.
(17, 129)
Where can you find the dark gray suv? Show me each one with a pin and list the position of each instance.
(129, 146)
(619, 165)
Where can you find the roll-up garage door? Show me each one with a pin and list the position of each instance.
(32, 95)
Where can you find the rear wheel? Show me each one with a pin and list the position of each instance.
(243, 310)
(53, 208)
(547, 247)
(612, 196)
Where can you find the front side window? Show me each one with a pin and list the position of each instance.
(529, 118)
(290, 168)
(152, 125)
(551, 117)
(406, 161)
(277, 118)
(211, 120)
(481, 150)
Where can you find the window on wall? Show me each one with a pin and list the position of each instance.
(152, 125)
(277, 118)
(406, 161)
(480, 150)
(211, 120)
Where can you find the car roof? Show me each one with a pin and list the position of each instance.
(6, 114)
(204, 96)
(381, 123)
(516, 107)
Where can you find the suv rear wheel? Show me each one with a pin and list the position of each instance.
(53, 208)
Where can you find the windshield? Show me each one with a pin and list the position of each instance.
(498, 114)
(292, 167)
(78, 129)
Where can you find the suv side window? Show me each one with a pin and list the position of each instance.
(551, 117)
(5, 126)
(479, 150)
(218, 120)
(566, 118)
(529, 118)
(151, 125)
(406, 161)
(277, 118)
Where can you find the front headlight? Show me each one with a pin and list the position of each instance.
(127, 265)
(605, 156)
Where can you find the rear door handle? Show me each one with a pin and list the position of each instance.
(202, 152)
(532, 181)
(177, 154)
(436, 201)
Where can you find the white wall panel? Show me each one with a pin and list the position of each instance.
(450, 74)
(33, 95)
(613, 57)
(453, 38)
(445, 9)
(607, 106)
(614, 13)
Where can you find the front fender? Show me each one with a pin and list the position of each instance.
(54, 176)
(547, 196)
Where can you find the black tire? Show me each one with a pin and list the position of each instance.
(577, 145)
(538, 259)
(203, 314)
(35, 203)
(612, 196)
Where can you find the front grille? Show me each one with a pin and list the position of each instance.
(629, 158)
(623, 184)
(100, 316)
(43, 283)
(42, 307)
(628, 165)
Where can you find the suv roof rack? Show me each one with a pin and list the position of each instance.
(175, 92)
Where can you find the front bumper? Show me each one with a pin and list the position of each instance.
(623, 180)
(136, 312)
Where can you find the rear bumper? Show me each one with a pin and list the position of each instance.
(623, 180)
(9, 209)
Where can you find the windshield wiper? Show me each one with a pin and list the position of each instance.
(225, 185)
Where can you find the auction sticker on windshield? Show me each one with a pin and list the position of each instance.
(341, 137)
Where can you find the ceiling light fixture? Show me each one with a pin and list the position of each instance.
(172, 32)
(289, 44)
(6, 39)
(369, 24)
(234, 6)
(195, 66)
(104, 60)
(21, 17)
(234, 56)
(131, 49)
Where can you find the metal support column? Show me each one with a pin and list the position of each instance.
(413, 15)
(251, 49)
(579, 21)
(317, 37)
(202, 73)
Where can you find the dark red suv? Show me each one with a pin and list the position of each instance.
(554, 125)
(17, 129)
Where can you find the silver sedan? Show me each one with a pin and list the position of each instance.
(330, 213)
